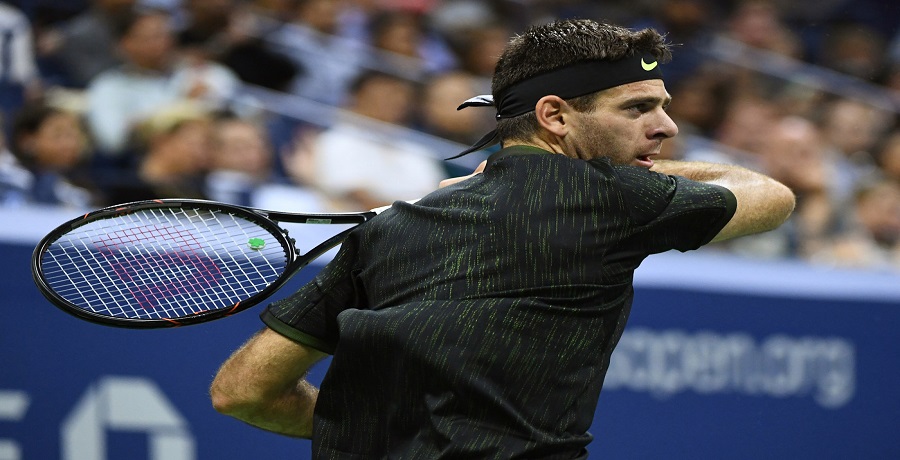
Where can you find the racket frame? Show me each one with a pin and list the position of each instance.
(264, 218)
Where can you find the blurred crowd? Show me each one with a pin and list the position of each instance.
(109, 101)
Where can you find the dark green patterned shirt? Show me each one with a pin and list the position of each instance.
(479, 321)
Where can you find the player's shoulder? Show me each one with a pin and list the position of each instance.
(633, 177)
(645, 193)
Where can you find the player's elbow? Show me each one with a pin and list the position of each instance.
(782, 202)
(222, 402)
(233, 400)
(771, 206)
(760, 208)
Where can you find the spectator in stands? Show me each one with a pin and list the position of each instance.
(198, 77)
(402, 44)
(326, 62)
(151, 79)
(479, 48)
(52, 145)
(698, 103)
(241, 160)
(19, 78)
(441, 94)
(15, 180)
(888, 156)
(758, 23)
(742, 132)
(871, 238)
(173, 152)
(119, 98)
(450, 18)
(854, 49)
(362, 163)
(207, 21)
(754, 31)
(273, 10)
(85, 45)
(230, 32)
(795, 142)
(241, 170)
(851, 130)
(891, 81)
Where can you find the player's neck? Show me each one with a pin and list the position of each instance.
(552, 147)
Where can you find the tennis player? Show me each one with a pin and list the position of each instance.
(479, 321)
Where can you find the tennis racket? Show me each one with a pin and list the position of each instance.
(173, 262)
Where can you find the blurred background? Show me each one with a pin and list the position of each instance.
(779, 344)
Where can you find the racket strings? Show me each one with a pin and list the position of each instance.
(179, 270)
(163, 263)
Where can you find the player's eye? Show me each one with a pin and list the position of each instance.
(642, 107)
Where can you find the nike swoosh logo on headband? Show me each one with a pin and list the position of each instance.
(650, 66)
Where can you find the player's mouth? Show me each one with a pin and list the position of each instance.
(644, 160)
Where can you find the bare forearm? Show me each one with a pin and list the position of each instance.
(290, 413)
(699, 171)
(262, 384)
(762, 202)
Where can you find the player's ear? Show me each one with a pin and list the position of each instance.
(551, 112)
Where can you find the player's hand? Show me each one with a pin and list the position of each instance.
(454, 180)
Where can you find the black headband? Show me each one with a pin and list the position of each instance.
(575, 80)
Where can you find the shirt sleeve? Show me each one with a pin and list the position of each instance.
(309, 316)
(672, 212)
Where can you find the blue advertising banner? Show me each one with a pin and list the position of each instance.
(722, 358)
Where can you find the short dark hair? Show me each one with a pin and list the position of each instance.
(125, 22)
(27, 121)
(558, 44)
